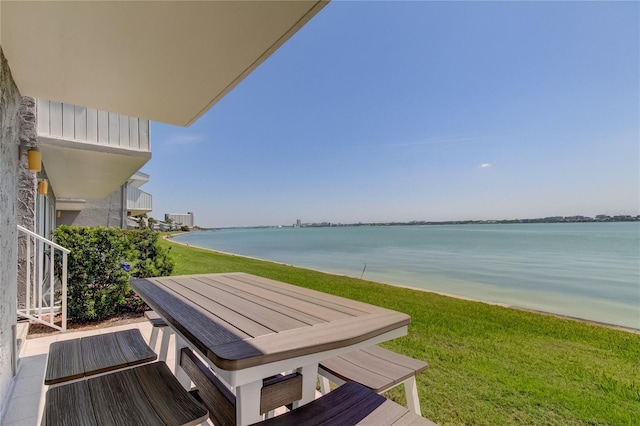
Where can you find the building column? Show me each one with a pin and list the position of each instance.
(27, 190)
(9, 171)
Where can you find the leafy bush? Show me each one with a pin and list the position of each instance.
(100, 265)
(149, 259)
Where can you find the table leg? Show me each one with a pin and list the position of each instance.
(309, 375)
(248, 403)
(180, 374)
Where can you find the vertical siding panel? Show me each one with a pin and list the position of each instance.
(124, 131)
(92, 125)
(81, 123)
(43, 117)
(68, 119)
(55, 119)
(144, 134)
(114, 129)
(134, 134)
(103, 127)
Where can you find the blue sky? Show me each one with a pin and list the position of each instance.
(399, 111)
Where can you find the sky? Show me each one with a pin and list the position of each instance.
(402, 111)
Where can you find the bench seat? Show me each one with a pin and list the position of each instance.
(87, 356)
(350, 404)
(377, 368)
(144, 395)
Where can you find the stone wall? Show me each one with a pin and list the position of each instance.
(27, 190)
(9, 154)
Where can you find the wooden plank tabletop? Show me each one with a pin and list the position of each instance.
(240, 320)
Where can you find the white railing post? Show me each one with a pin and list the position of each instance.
(29, 280)
(35, 281)
(52, 261)
(64, 291)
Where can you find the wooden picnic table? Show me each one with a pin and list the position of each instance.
(249, 328)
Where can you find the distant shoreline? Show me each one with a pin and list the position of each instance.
(558, 219)
(455, 296)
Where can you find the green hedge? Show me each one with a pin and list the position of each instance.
(100, 265)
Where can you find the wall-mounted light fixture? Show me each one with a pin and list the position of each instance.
(43, 187)
(58, 213)
(34, 158)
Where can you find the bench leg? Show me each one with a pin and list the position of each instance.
(153, 338)
(326, 378)
(324, 385)
(164, 344)
(411, 390)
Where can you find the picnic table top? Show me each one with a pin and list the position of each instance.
(240, 320)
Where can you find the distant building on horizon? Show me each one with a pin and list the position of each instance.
(181, 219)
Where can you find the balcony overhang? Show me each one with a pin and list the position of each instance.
(138, 212)
(138, 179)
(69, 204)
(79, 170)
(163, 61)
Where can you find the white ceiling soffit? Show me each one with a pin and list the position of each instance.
(79, 173)
(167, 61)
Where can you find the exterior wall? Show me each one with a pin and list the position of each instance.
(181, 219)
(27, 190)
(110, 212)
(9, 153)
(81, 124)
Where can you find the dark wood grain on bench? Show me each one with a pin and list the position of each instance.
(276, 391)
(377, 368)
(86, 356)
(144, 395)
(69, 405)
(155, 319)
(218, 399)
(279, 391)
(350, 404)
(64, 362)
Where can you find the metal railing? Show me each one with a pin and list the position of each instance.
(46, 280)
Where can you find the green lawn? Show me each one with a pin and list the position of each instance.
(489, 365)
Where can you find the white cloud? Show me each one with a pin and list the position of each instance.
(485, 166)
(436, 141)
(187, 139)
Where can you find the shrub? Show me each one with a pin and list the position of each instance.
(100, 265)
(149, 259)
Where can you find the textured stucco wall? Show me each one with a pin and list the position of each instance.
(110, 212)
(9, 153)
(27, 189)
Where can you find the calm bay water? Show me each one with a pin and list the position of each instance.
(586, 270)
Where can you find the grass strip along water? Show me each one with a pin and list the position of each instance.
(489, 365)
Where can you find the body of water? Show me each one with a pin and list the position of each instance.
(585, 270)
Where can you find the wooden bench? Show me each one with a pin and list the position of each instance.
(158, 324)
(87, 356)
(143, 395)
(376, 368)
(348, 405)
